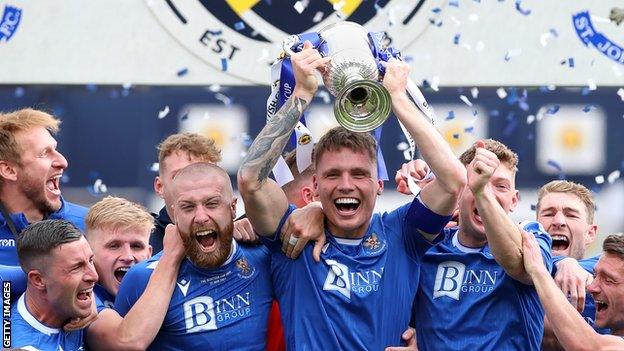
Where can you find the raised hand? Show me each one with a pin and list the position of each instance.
(395, 79)
(305, 65)
(483, 165)
(418, 170)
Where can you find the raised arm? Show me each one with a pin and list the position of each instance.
(441, 195)
(139, 327)
(265, 201)
(569, 326)
(503, 235)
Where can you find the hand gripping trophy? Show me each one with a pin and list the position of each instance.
(354, 73)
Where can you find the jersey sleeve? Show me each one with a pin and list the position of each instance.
(132, 287)
(274, 243)
(589, 263)
(418, 218)
(543, 239)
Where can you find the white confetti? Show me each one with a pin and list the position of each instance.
(474, 92)
(456, 21)
(127, 85)
(163, 113)
(600, 19)
(501, 93)
(223, 98)
(551, 87)
(300, 6)
(530, 119)
(620, 92)
(402, 146)
(155, 167)
(613, 176)
(466, 46)
(599, 179)
(339, 5)
(435, 83)
(465, 100)
(591, 84)
(99, 187)
(473, 17)
(214, 88)
(317, 17)
(479, 47)
(544, 38)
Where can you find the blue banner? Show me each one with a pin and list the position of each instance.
(588, 35)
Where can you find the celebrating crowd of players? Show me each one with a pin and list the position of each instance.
(447, 270)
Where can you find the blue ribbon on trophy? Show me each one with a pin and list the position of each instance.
(362, 103)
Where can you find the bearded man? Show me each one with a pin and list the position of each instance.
(223, 288)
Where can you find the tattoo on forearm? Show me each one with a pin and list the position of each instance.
(270, 143)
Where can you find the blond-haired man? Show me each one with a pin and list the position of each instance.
(118, 231)
(30, 172)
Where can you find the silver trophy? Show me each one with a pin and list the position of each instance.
(362, 103)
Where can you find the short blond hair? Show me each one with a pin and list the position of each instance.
(20, 121)
(116, 213)
(193, 144)
(502, 152)
(568, 187)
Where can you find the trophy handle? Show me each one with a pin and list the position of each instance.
(289, 43)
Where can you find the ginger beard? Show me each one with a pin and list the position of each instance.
(206, 246)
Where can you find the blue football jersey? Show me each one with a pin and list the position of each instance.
(102, 298)
(466, 301)
(359, 296)
(225, 308)
(28, 333)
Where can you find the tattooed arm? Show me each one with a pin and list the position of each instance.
(265, 202)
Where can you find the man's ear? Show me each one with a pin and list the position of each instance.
(8, 171)
(233, 206)
(158, 187)
(36, 279)
(514, 201)
(307, 194)
(592, 230)
(380, 189)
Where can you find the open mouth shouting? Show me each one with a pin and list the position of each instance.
(120, 273)
(207, 239)
(53, 184)
(601, 306)
(84, 296)
(347, 205)
(560, 242)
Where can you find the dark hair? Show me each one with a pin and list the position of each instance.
(338, 138)
(38, 239)
(614, 244)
